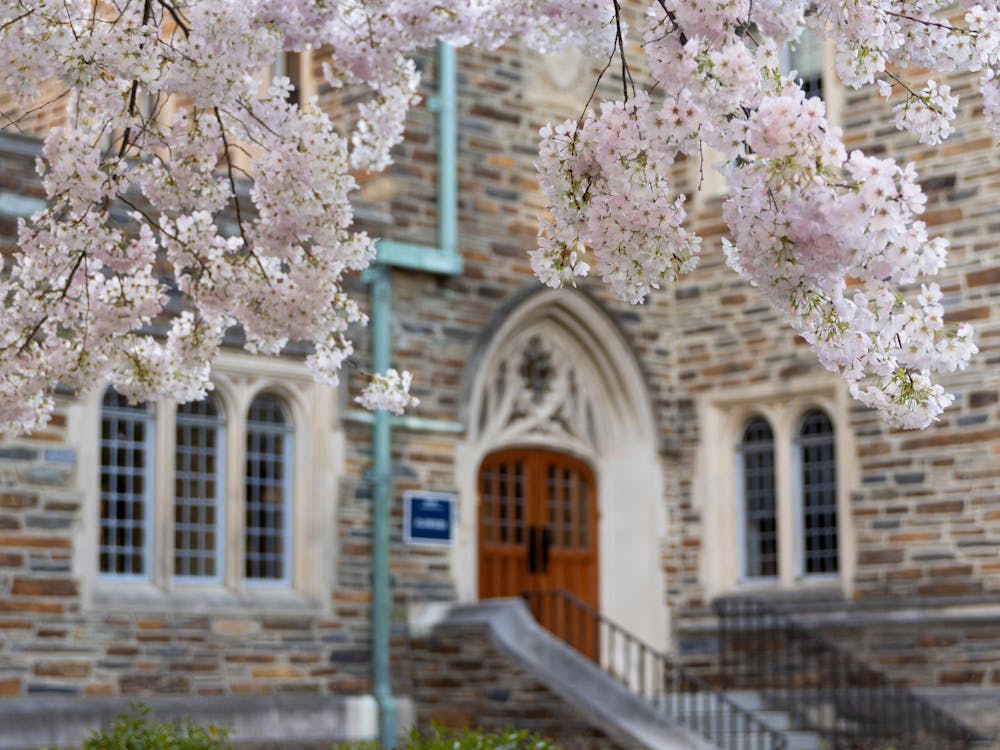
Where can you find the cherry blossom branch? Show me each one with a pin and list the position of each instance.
(924, 21)
(175, 14)
(620, 42)
(829, 238)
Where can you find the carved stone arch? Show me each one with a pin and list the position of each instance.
(597, 401)
(555, 373)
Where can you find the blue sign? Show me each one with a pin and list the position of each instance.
(428, 517)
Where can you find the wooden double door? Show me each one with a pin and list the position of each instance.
(538, 532)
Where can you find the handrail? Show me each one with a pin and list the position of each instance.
(651, 674)
(852, 705)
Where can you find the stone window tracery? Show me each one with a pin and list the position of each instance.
(128, 498)
(126, 486)
(760, 529)
(787, 494)
(199, 478)
(818, 494)
(267, 488)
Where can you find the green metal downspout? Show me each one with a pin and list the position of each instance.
(447, 156)
(381, 499)
(443, 260)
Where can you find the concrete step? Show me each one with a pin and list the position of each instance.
(748, 700)
(803, 741)
(775, 719)
(707, 715)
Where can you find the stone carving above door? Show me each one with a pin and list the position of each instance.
(539, 391)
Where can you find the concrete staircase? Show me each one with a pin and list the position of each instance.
(497, 643)
(629, 707)
(623, 695)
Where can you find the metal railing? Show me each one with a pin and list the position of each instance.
(650, 674)
(851, 705)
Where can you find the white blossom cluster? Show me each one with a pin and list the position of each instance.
(607, 180)
(833, 240)
(831, 255)
(389, 392)
(237, 204)
(235, 209)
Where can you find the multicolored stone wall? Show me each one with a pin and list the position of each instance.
(925, 511)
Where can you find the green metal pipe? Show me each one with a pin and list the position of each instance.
(443, 260)
(415, 257)
(407, 422)
(381, 312)
(447, 152)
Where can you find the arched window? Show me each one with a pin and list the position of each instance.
(805, 56)
(288, 64)
(199, 458)
(818, 500)
(126, 487)
(267, 491)
(760, 532)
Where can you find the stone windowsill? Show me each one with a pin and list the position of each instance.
(107, 595)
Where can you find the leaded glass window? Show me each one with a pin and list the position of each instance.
(198, 489)
(568, 497)
(805, 56)
(818, 462)
(267, 486)
(503, 489)
(760, 531)
(126, 486)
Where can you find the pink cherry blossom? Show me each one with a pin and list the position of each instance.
(247, 198)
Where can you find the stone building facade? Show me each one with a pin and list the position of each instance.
(654, 400)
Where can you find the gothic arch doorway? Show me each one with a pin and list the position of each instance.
(556, 384)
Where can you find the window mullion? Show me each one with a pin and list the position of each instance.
(757, 500)
(289, 516)
(797, 508)
(162, 530)
(199, 487)
(741, 514)
(785, 505)
(234, 546)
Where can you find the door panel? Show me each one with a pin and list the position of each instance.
(502, 491)
(538, 530)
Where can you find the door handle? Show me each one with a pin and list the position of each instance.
(532, 549)
(546, 543)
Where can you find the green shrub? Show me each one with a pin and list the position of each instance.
(137, 730)
(464, 739)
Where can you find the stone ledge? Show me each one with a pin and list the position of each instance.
(827, 613)
(109, 597)
(284, 720)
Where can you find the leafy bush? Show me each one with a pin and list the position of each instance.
(137, 730)
(465, 739)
